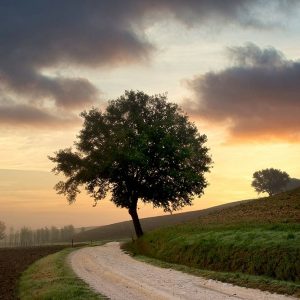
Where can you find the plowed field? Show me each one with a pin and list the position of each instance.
(13, 261)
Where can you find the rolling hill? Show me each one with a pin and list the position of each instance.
(268, 209)
(258, 238)
(126, 230)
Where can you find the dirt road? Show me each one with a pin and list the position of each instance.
(118, 276)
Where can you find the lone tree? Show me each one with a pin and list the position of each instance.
(2, 230)
(140, 148)
(271, 181)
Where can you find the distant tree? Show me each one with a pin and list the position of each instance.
(54, 234)
(2, 230)
(11, 237)
(46, 235)
(39, 239)
(70, 231)
(63, 234)
(26, 236)
(17, 238)
(271, 181)
(141, 148)
(67, 233)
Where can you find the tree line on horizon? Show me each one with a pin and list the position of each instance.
(35, 237)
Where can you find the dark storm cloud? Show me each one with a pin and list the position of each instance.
(258, 95)
(40, 34)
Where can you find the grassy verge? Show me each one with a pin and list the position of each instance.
(259, 256)
(52, 278)
(249, 281)
(268, 250)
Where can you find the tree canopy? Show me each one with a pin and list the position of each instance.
(140, 148)
(271, 181)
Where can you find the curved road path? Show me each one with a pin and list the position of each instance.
(111, 272)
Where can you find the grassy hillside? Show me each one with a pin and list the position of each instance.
(259, 237)
(281, 208)
(126, 230)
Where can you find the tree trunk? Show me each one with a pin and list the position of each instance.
(136, 221)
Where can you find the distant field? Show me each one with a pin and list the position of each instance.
(259, 237)
(125, 229)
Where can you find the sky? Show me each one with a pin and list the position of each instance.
(233, 66)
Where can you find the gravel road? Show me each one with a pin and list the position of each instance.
(111, 272)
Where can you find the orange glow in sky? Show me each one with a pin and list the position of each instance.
(234, 71)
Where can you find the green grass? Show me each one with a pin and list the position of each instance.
(254, 244)
(51, 278)
(250, 281)
(273, 251)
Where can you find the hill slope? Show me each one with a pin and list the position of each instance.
(281, 208)
(258, 237)
(266, 210)
(126, 230)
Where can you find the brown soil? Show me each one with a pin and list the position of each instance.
(13, 261)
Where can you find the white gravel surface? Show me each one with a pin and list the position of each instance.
(111, 272)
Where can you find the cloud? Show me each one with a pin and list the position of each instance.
(40, 34)
(247, 13)
(23, 115)
(65, 92)
(258, 96)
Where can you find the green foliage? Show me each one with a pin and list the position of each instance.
(141, 148)
(52, 278)
(271, 181)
